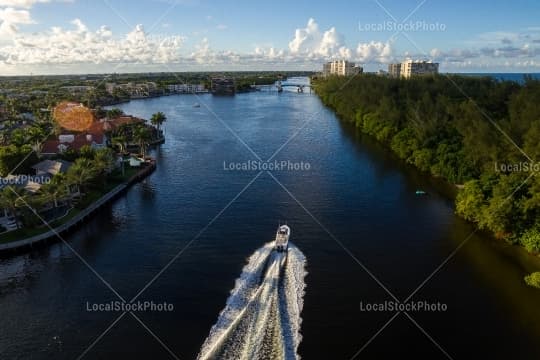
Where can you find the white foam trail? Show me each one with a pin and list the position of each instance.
(292, 300)
(261, 318)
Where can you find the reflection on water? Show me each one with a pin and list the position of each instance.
(359, 192)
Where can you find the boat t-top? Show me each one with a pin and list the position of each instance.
(282, 238)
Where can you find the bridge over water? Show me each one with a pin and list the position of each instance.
(279, 86)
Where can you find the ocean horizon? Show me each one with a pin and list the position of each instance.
(517, 77)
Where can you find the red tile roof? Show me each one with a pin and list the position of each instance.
(50, 147)
(123, 120)
(97, 130)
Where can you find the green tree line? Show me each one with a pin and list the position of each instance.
(471, 131)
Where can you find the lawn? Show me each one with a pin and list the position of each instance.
(29, 232)
(92, 194)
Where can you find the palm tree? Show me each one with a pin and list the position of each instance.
(158, 119)
(30, 206)
(104, 160)
(120, 141)
(104, 163)
(142, 136)
(81, 173)
(9, 199)
(114, 113)
(35, 137)
(56, 190)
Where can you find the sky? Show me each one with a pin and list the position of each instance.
(105, 36)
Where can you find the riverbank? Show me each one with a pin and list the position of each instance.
(75, 217)
(359, 193)
(445, 136)
(110, 103)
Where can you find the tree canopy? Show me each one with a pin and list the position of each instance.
(459, 128)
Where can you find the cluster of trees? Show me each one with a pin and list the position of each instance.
(20, 150)
(138, 134)
(19, 147)
(244, 83)
(92, 168)
(533, 279)
(462, 129)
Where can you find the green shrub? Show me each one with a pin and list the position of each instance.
(531, 240)
(533, 279)
(469, 201)
(422, 159)
(404, 143)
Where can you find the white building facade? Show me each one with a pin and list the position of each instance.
(186, 88)
(341, 68)
(412, 68)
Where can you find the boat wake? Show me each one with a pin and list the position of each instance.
(261, 319)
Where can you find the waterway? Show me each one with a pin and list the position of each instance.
(359, 230)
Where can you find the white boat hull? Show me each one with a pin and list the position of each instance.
(282, 238)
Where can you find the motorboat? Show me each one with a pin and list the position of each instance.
(282, 238)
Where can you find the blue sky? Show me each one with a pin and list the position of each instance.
(55, 36)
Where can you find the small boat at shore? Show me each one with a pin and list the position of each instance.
(196, 105)
(282, 238)
(421, 192)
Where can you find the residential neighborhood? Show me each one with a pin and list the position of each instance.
(73, 160)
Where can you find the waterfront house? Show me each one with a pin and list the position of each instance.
(223, 86)
(51, 167)
(97, 136)
(93, 137)
(23, 184)
(45, 170)
(186, 88)
(134, 90)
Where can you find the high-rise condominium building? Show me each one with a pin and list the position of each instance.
(341, 67)
(410, 68)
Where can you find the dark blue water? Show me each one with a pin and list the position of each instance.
(363, 198)
(515, 77)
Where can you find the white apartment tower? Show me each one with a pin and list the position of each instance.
(341, 67)
(410, 68)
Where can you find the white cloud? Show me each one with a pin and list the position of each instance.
(27, 4)
(10, 18)
(305, 39)
(79, 45)
(498, 49)
(15, 16)
(202, 52)
(269, 53)
(311, 43)
(374, 52)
